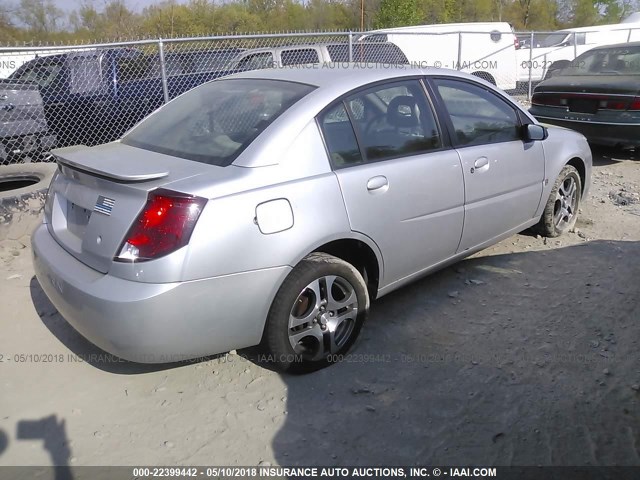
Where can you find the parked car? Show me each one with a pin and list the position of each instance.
(554, 51)
(314, 54)
(271, 207)
(23, 126)
(484, 49)
(95, 95)
(598, 95)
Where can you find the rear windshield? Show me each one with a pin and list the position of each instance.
(550, 40)
(605, 61)
(215, 122)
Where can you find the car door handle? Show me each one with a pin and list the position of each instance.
(480, 163)
(3, 96)
(377, 183)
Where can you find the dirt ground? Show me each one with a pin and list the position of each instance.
(526, 354)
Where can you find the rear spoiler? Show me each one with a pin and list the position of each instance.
(81, 158)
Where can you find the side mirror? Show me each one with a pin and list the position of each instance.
(533, 132)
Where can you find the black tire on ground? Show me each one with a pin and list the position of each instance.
(276, 349)
(549, 224)
(23, 191)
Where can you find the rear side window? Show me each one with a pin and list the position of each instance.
(389, 121)
(339, 137)
(85, 75)
(367, 53)
(396, 120)
(478, 116)
(256, 61)
(215, 122)
(299, 57)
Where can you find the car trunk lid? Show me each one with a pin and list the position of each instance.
(589, 94)
(99, 192)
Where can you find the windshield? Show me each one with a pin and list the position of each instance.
(605, 61)
(215, 122)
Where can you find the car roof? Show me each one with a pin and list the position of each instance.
(617, 45)
(333, 80)
(346, 76)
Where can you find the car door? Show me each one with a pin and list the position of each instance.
(503, 175)
(402, 184)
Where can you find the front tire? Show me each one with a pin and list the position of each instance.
(561, 211)
(316, 315)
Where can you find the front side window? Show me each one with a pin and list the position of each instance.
(215, 122)
(394, 120)
(44, 74)
(478, 116)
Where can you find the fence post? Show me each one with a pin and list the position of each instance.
(459, 66)
(163, 71)
(575, 46)
(530, 66)
(350, 46)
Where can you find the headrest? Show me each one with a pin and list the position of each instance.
(402, 111)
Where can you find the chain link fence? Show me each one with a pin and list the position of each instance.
(60, 96)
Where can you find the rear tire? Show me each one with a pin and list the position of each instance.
(561, 211)
(316, 315)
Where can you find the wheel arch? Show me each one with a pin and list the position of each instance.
(359, 254)
(579, 165)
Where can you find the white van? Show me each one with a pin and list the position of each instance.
(484, 49)
(556, 50)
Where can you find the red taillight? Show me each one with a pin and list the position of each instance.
(164, 225)
(548, 99)
(601, 102)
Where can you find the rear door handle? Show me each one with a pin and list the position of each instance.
(377, 183)
(481, 163)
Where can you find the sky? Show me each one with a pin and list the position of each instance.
(136, 5)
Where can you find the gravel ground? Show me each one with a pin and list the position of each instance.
(525, 354)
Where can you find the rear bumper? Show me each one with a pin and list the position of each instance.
(607, 134)
(155, 323)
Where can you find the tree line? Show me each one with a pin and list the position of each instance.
(41, 21)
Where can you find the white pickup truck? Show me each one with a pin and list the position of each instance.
(484, 49)
(556, 50)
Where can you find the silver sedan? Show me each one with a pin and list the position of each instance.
(270, 208)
